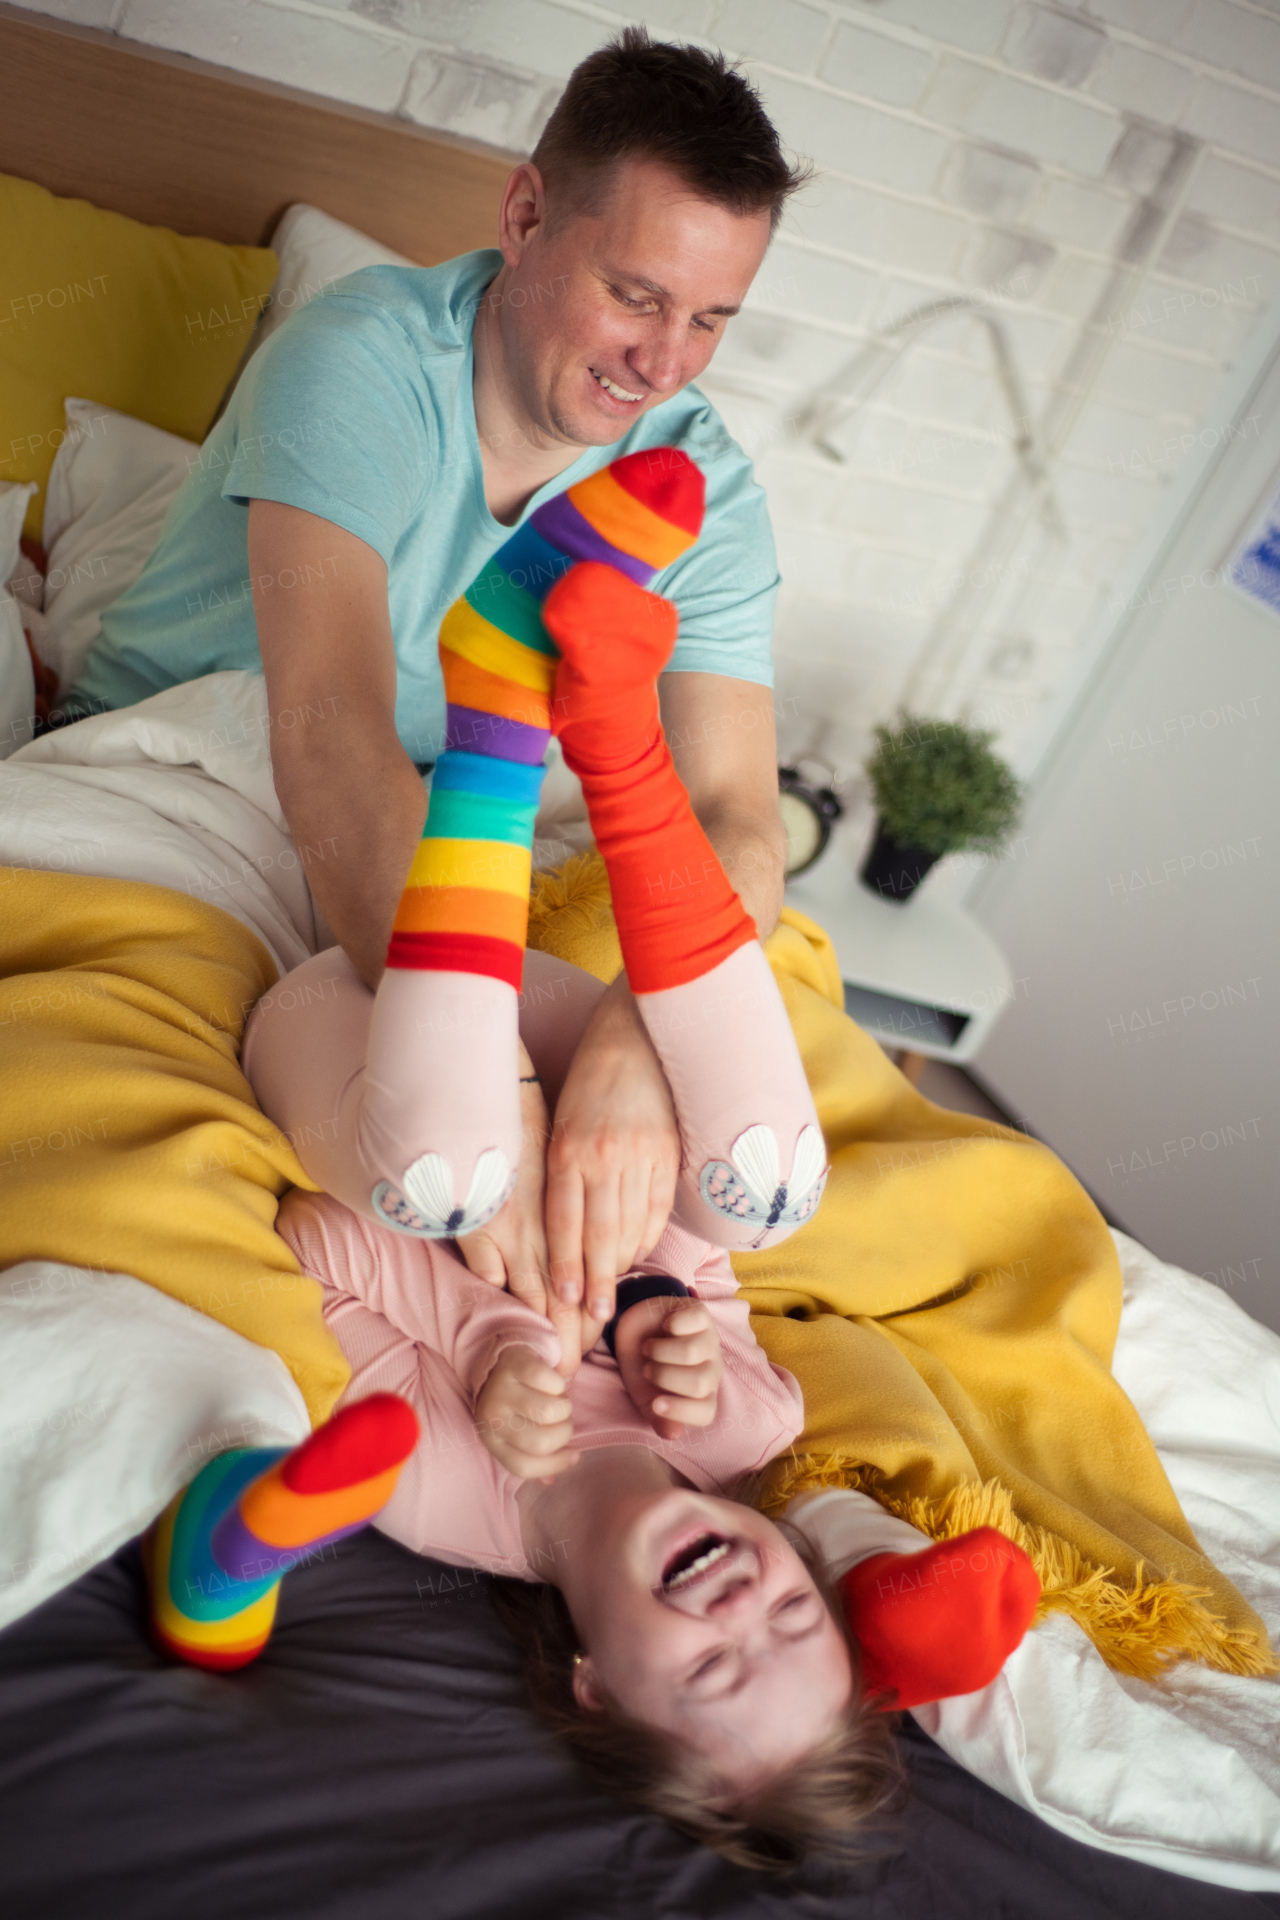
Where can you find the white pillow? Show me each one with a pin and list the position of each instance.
(14, 495)
(110, 487)
(315, 250)
(17, 682)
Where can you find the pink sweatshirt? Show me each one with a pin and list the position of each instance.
(413, 1320)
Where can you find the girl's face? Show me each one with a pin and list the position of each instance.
(700, 1620)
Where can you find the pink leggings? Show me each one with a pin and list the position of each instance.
(752, 1162)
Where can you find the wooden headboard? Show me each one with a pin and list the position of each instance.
(182, 144)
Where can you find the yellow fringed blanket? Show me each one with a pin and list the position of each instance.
(130, 1140)
(950, 1313)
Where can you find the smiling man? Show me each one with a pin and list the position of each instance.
(379, 449)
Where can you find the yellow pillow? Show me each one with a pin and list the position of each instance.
(138, 318)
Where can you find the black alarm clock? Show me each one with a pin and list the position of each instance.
(808, 814)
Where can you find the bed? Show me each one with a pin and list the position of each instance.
(358, 1766)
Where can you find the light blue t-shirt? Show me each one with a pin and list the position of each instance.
(360, 410)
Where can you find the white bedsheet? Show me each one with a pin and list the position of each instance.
(110, 1390)
(114, 1396)
(1186, 1775)
(177, 791)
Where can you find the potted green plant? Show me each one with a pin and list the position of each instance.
(938, 789)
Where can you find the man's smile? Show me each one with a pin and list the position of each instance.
(612, 388)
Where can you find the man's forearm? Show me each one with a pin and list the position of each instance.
(753, 854)
(721, 735)
(350, 792)
(356, 815)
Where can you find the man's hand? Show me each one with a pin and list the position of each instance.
(511, 1251)
(613, 1159)
(668, 1354)
(524, 1417)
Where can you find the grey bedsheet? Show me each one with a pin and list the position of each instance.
(378, 1764)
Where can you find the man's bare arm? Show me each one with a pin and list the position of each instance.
(353, 798)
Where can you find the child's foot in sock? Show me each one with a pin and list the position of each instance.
(614, 640)
(440, 1127)
(942, 1621)
(441, 1114)
(216, 1556)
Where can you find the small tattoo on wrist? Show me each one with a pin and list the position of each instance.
(530, 1079)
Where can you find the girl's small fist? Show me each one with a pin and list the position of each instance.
(524, 1417)
(668, 1352)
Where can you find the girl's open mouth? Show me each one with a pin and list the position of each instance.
(694, 1562)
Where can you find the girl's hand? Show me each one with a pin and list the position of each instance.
(668, 1353)
(511, 1250)
(524, 1417)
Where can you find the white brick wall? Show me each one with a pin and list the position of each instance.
(1002, 148)
(1013, 112)
(256, 36)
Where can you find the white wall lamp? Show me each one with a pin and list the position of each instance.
(836, 404)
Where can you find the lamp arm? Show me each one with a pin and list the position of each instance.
(852, 387)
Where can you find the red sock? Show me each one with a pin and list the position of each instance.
(942, 1621)
(678, 916)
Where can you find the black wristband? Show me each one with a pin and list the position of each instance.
(644, 1286)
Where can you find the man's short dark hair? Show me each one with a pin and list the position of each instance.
(640, 99)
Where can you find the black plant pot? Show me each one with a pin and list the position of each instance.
(892, 871)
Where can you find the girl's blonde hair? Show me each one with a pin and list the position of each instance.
(824, 1805)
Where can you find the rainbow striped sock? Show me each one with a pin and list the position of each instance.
(456, 955)
(216, 1556)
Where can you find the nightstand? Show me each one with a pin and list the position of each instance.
(923, 978)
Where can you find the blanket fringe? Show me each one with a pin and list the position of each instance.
(580, 887)
(1140, 1631)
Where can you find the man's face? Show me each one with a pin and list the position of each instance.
(605, 314)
